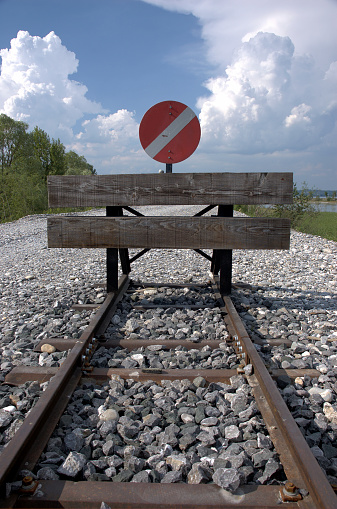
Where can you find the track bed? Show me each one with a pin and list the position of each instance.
(162, 401)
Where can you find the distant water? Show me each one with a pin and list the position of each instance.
(326, 207)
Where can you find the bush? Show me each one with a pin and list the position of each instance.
(301, 207)
(296, 211)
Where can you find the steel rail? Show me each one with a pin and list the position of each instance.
(179, 496)
(15, 455)
(310, 472)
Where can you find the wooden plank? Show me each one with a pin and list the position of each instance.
(63, 344)
(132, 495)
(169, 189)
(85, 307)
(169, 232)
(22, 374)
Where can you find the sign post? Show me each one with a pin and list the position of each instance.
(169, 132)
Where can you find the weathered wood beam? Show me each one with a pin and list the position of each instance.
(169, 189)
(169, 232)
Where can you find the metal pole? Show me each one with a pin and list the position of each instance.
(112, 257)
(168, 167)
(222, 258)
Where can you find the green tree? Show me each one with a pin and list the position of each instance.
(26, 159)
(13, 137)
(57, 158)
(78, 165)
(41, 149)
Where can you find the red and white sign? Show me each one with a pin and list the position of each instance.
(169, 132)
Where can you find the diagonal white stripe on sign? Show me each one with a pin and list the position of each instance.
(170, 132)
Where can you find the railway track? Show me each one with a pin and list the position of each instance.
(300, 481)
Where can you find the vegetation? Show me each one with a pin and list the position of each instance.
(302, 213)
(26, 160)
(323, 224)
(301, 207)
(328, 196)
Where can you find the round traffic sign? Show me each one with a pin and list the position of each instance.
(169, 132)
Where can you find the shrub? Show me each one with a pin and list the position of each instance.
(301, 207)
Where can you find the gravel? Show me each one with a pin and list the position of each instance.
(173, 431)
(223, 357)
(292, 296)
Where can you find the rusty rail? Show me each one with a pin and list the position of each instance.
(303, 468)
(31, 438)
(298, 462)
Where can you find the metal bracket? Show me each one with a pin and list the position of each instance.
(289, 493)
(28, 485)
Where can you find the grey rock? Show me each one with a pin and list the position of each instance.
(151, 420)
(199, 414)
(5, 418)
(123, 476)
(271, 467)
(236, 460)
(104, 506)
(186, 441)
(228, 478)
(238, 403)
(233, 433)
(74, 441)
(248, 369)
(100, 463)
(177, 461)
(260, 458)
(206, 437)
(199, 381)
(72, 465)
(142, 476)
(108, 448)
(209, 421)
(172, 477)
(264, 442)
(114, 461)
(198, 474)
(110, 472)
(135, 464)
(47, 473)
(221, 463)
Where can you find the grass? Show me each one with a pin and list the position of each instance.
(66, 210)
(303, 219)
(323, 224)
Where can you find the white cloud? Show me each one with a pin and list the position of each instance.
(227, 23)
(265, 103)
(114, 137)
(272, 101)
(298, 115)
(35, 86)
(270, 104)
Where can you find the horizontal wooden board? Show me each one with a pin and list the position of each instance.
(22, 374)
(132, 495)
(169, 189)
(169, 232)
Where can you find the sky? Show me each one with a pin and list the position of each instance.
(261, 76)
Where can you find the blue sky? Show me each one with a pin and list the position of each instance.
(261, 76)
